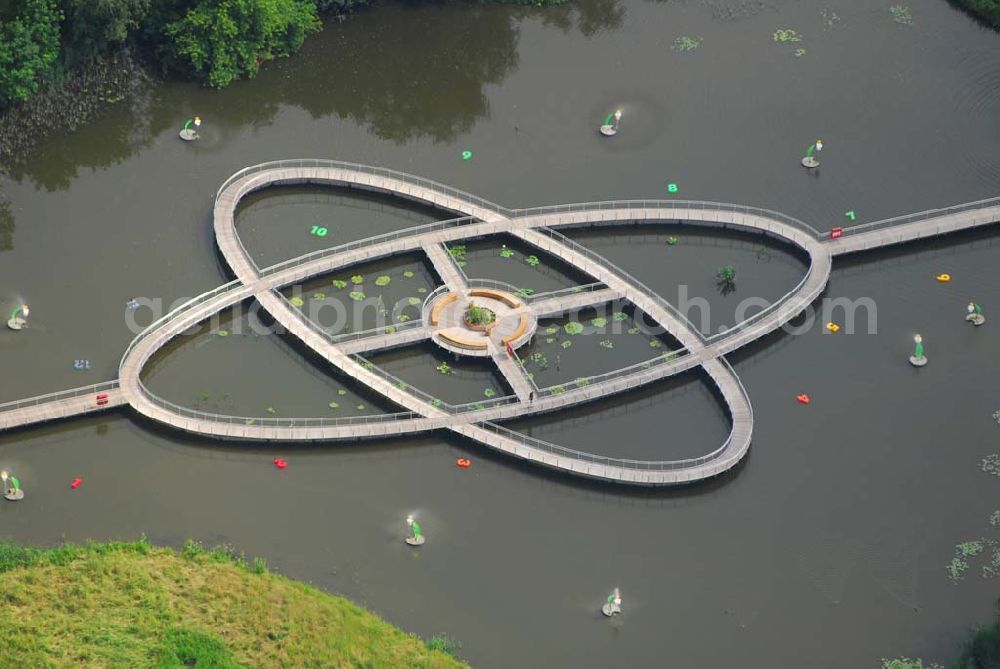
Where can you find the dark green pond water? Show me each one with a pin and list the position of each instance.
(826, 548)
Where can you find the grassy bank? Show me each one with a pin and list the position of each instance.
(986, 10)
(133, 605)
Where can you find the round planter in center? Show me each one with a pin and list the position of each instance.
(479, 318)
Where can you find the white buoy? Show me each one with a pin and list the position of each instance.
(189, 134)
(19, 322)
(610, 127)
(918, 359)
(417, 539)
(809, 161)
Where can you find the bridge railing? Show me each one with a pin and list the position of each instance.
(394, 328)
(57, 396)
(273, 421)
(920, 216)
(626, 463)
(384, 172)
(534, 298)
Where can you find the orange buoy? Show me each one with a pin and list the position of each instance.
(803, 398)
(943, 278)
(464, 463)
(832, 327)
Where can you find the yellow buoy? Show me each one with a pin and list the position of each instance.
(943, 278)
(833, 327)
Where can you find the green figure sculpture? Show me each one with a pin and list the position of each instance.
(975, 314)
(810, 161)
(11, 487)
(418, 536)
(918, 359)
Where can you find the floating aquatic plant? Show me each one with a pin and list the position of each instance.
(297, 301)
(552, 329)
(598, 322)
(489, 392)
(686, 43)
(421, 290)
(382, 280)
(549, 340)
(726, 279)
(960, 563)
(506, 252)
(319, 296)
(341, 392)
(566, 344)
(830, 18)
(655, 343)
(223, 333)
(357, 279)
(356, 295)
(271, 410)
(901, 15)
(606, 343)
(786, 35)
(996, 416)
(334, 405)
(799, 53)
(413, 301)
(402, 318)
(458, 253)
(620, 316)
(671, 240)
(360, 407)
(408, 274)
(991, 464)
(573, 328)
(339, 284)
(532, 260)
(634, 330)
(995, 518)
(444, 368)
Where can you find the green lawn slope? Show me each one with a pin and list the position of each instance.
(132, 605)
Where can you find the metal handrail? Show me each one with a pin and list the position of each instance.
(920, 216)
(272, 421)
(571, 290)
(59, 395)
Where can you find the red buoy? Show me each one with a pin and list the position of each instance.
(76, 483)
(803, 398)
(279, 463)
(464, 463)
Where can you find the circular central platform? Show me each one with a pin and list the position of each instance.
(514, 321)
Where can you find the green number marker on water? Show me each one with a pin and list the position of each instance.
(318, 231)
(466, 155)
(851, 215)
(672, 188)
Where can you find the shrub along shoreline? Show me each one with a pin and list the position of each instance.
(135, 605)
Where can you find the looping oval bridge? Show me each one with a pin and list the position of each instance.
(478, 217)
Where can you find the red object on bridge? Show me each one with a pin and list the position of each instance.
(279, 463)
(76, 483)
(510, 349)
(102, 399)
(836, 233)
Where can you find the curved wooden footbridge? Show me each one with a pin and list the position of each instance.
(477, 217)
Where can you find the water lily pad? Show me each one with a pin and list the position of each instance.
(655, 343)
(356, 295)
(319, 296)
(566, 344)
(549, 340)
(339, 283)
(271, 410)
(598, 322)
(413, 301)
(532, 260)
(444, 368)
(357, 279)
(297, 301)
(408, 274)
(382, 280)
(634, 330)
(223, 333)
(686, 43)
(573, 328)
(341, 392)
(360, 407)
(333, 405)
(421, 290)
(402, 318)
(606, 343)
(489, 392)
(620, 316)
(505, 252)
(786, 35)
(551, 330)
